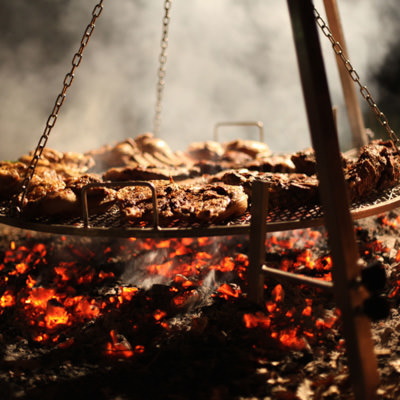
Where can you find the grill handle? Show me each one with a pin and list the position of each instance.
(257, 124)
(85, 209)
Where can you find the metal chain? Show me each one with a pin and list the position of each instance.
(69, 77)
(162, 68)
(381, 117)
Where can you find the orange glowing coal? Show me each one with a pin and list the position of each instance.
(119, 346)
(54, 296)
(257, 319)
(55, 315)
(289, 338)
(7, 300)
(227, 291)
(52, 305)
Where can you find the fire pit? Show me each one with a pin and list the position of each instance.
(82, 315)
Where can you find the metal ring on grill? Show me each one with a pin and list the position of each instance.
(109, 224)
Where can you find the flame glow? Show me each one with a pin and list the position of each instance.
(52, 295)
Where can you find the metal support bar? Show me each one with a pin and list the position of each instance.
(296, 278)
(333, 195)
(259, 209)
(353, 108)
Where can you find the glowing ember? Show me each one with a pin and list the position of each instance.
(55, 315)
(53, 297)
(119, 346)
(159, 314)
(289, 338)
(65, 301)
(228, 291)
(256, 320)
(7, 300)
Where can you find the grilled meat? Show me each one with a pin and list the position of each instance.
(120, 154)
(65, 199)
(206, 190)
(305, 163)
(233, 153)
(140, 173)
(377, 168)
(76, 184)
(145, 150)
(284, 190)
(210, 203)
(252, 148)
(63, 202)
(158, 149)
(273, 163)
(43, 181)
(67, 164)
(11, 177)
(205, 151)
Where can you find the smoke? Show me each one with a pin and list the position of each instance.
(227, 61)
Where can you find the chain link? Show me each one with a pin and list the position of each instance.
(16, 202)
(365, 93)
(162, 67)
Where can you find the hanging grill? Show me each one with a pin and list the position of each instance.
(111, 224)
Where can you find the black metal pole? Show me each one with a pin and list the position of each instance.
(356, 327)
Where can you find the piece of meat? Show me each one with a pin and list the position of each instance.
(189, 204)
(361, 179)
(76, 183)
(67, 164)
(157, 149)
(139, 173)
(43, 181)
(389, 156)
(235, 151)
(144, 150)
(252, 148)
(49, 156)
(284, 190)
(62, 202)
(78, 161)
(210, 167)
(235, 158)
(305, 163)
(122, 153)
(98, 192)
(377, 168)
(11, 177)
(65, 200)
(273, 163)
(99, 197)
(205, 151)
(45, 187)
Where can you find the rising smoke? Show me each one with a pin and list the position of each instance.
(227, 61)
